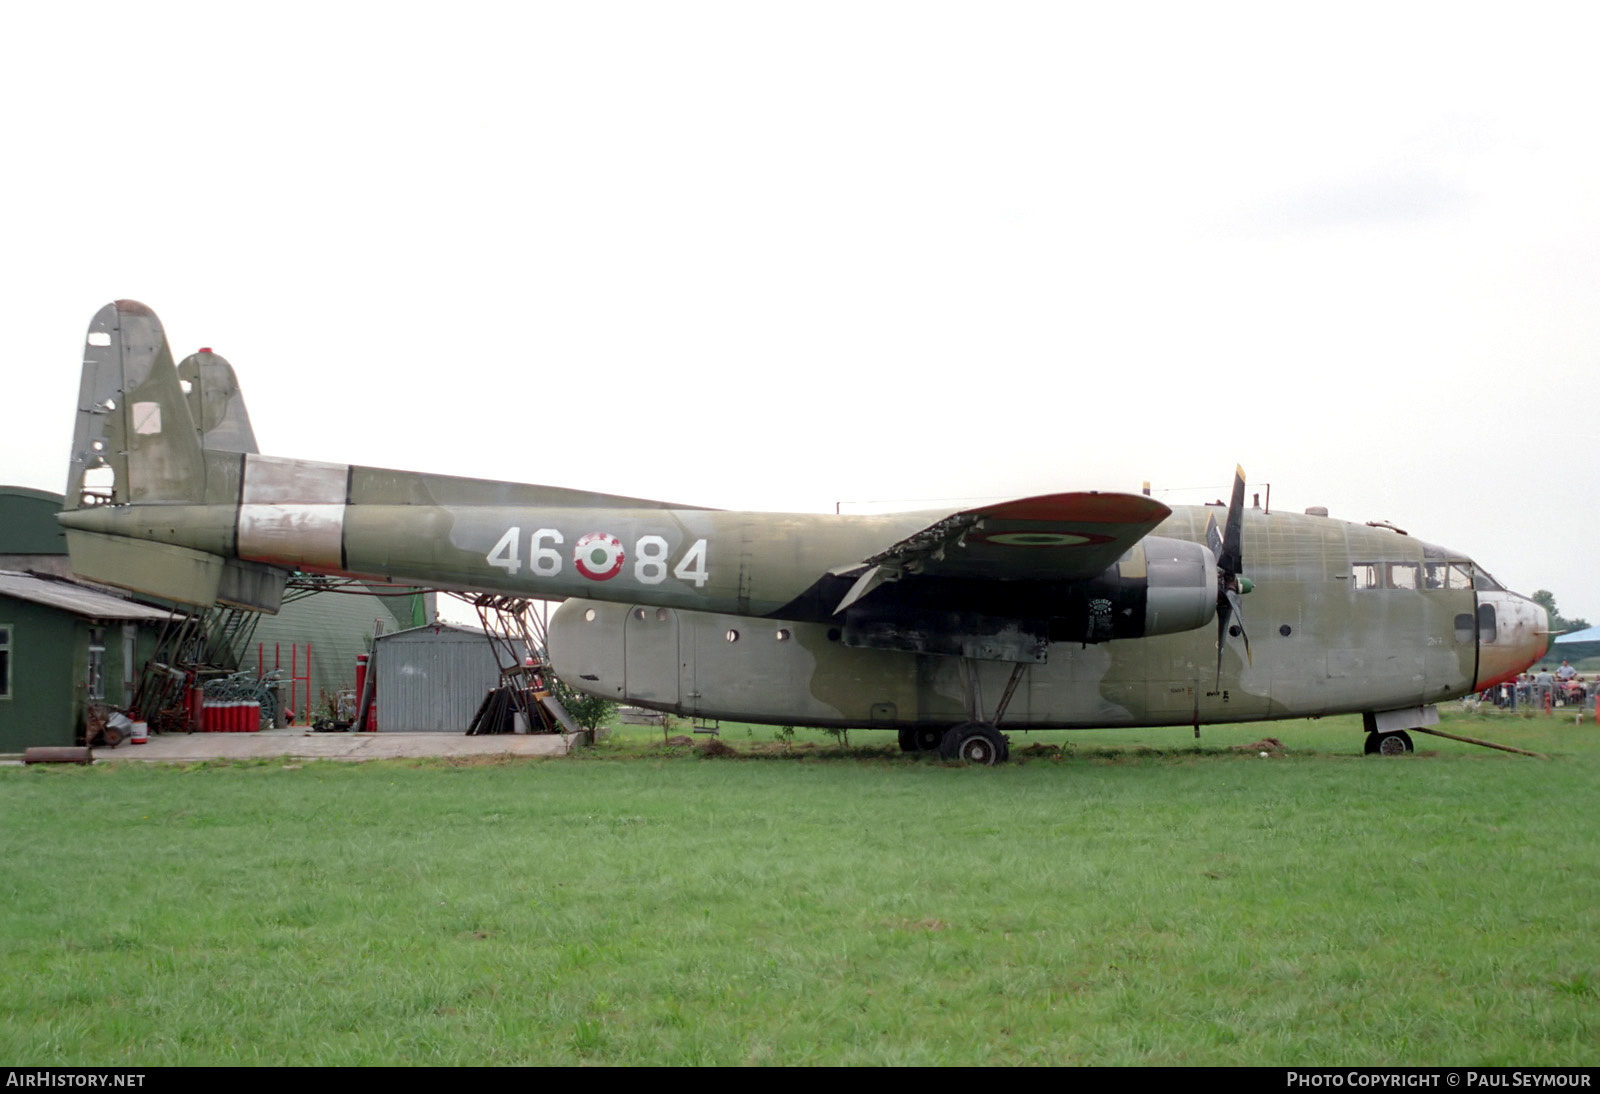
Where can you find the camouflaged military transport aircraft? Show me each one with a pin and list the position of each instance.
(1062, 611)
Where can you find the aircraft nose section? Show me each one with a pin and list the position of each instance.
(1513, 633)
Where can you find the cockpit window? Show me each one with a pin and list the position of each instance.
(1411, 576)
(1447, 575)
(1403, 575)
(1484, 580)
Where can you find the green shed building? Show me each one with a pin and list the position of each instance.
(63, 646)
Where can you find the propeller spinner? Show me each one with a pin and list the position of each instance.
(1227, 545)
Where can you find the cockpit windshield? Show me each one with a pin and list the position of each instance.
(1484, 581)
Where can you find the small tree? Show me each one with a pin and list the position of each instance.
(589, 711)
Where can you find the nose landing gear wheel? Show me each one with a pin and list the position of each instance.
(1397, 743)
(975, 743)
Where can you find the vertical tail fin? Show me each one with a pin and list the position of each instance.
(143, 424)
(134, 440)
(149, 432)
(216, 405)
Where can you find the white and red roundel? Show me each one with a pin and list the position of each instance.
(598, 556)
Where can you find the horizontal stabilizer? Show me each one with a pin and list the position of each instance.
(175, 573)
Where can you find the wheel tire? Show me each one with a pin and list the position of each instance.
(1397, 743)
(921, 739)
(975, 743)
(112, 736)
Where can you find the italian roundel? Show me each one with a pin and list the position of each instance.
(598, 556)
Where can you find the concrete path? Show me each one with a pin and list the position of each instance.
(300, 744)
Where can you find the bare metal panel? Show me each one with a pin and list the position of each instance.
(272, 480)
(291, 512)
(309, 537)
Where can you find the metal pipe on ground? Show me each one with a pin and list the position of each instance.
(1476, 741)
(56, 754)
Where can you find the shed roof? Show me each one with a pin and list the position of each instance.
(80, 601)
(452, 630)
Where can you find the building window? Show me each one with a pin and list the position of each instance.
(97, 663)
(5, 660)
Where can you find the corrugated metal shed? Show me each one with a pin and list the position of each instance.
(432, 679)
(76, 599)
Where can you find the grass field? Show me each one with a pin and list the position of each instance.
(1111, 898)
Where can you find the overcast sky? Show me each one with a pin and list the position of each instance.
(781, 256)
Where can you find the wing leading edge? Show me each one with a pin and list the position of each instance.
(1052, 537)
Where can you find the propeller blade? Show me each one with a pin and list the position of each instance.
(1238, 615)
(1230, 558)
(1222, 637)
(1228, 607)
(1228, 547)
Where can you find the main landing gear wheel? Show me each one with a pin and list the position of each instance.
(1397, 743)
(921, 739)
(975, 743)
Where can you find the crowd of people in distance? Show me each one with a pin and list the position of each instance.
(1544, 688)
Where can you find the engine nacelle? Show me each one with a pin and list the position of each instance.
(1180, 585)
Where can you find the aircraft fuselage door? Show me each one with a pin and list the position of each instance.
(650, 655)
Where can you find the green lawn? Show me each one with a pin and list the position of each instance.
(1113, 897)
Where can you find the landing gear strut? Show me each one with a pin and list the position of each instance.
(1395, 743)
(978, 740)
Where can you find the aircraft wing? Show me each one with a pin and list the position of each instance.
(1052, 537)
